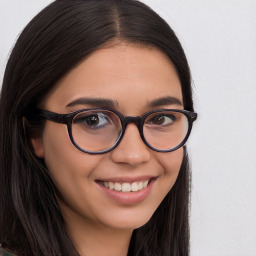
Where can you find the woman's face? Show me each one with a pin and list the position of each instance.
(129, 77)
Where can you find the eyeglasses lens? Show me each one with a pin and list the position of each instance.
(165, 130)
(96, 130)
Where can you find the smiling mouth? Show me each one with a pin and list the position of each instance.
(126, 186)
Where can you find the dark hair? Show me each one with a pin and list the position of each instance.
(55, 41)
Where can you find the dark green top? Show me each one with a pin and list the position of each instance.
(3, 252)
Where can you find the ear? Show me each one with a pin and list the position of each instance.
(38, 146)
(35, 137)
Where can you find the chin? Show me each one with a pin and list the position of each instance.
(128, 219)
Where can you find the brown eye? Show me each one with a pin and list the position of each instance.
(92, 120)
(163, 120)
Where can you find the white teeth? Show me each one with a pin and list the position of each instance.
(118, 186)
(110, 185)
(140, 185)
(126, 187)
(145, 183)
(135, 186)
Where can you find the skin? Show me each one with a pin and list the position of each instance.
(132, 76)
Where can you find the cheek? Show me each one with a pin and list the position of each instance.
(67, 165)
(171, 163)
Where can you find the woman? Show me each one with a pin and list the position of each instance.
(96, 107)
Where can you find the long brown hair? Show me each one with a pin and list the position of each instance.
(55, 41)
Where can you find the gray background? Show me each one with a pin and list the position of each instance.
(219, 38)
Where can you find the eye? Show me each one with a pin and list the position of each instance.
(162, 120)
(92, 120)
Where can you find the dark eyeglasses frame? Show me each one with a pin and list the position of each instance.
(125, 120)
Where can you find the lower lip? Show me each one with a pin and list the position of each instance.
(128, 198)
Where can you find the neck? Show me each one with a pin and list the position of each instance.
(101, 242)
(96, 239)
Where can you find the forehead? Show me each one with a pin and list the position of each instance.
(126, 73)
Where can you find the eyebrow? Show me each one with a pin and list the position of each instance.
(108, 103)
(168, 100)
(94, 102)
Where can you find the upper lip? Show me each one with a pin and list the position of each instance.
(128, 179)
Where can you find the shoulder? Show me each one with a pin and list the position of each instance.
(4, 252)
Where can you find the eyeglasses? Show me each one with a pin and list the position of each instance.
(99, 130)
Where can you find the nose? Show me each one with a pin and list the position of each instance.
(131, 150)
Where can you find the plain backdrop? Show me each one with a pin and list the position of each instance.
(219, 38)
